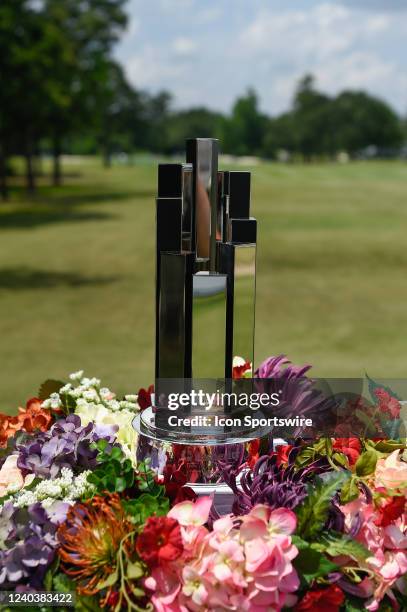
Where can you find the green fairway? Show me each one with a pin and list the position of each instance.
(77, 273)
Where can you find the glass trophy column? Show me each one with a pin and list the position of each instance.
(205, 298)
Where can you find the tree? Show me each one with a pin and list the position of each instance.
(362, 120)
(244, 130)
(312, 120)
(190, 123)
(52, 56)
(86, 74)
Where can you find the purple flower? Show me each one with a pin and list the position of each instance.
(299, 396)
(273, 367)
(66, 444)
(270, 484)
(28, 547)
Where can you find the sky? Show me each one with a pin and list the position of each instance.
(208, 52)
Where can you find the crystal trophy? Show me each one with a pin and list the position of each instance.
(205, 291)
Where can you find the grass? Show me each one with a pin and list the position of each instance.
(77, 266)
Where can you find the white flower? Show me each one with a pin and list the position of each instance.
(76, 392)
(129, 405)
(76, 375)
(66, 487)
(113, 405)
(54, 400)
(131, 398)
(66, 388)
(90, 395)
(104, 415)
(106, 394)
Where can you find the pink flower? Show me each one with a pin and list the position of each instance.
(391, 472)
(10, 475)
(189, 513)
(243, 564)
(387, 543)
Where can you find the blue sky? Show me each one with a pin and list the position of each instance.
(207, 52)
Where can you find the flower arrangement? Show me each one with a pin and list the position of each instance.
(316, 525)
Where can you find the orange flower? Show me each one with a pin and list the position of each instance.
(90, 539)
(31, 418)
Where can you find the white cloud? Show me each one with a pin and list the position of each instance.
(339, 45)
(191, 49)
(184, 46)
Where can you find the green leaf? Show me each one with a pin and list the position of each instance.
(120, 484)
(108, 582)
(134, 570)
(49, 386)
(336, 544)
(341, 459)
(366, 464)
(63, 584)
(48, 580)
(350, 491)
(102, 444)
(352, 604)
(299, 542)
(312, 564)
(313, 512)
(116, 453)
(388, 446)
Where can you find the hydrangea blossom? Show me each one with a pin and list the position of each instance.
(67, 444)
(244, 563)
(27, 546)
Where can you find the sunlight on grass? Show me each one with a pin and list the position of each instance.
(77, 273)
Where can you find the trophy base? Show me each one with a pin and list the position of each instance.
(199, 456)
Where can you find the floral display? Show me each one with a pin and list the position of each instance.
(315, 524)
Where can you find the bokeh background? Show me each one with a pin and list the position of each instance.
(310, 96)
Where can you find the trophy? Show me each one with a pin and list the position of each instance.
(205, 289)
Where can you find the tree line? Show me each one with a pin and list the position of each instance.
(62, 92)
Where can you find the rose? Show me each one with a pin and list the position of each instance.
(391, 472)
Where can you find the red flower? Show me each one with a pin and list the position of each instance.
(160, 541)
(322, 600)
(253, 450)
(112, 599)
(175, 477)
(282, 453)
(239, 370)
(391, 511)
(351, 447)
(144, 397)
